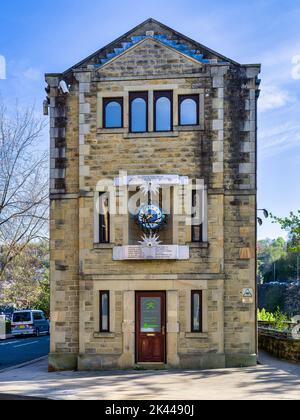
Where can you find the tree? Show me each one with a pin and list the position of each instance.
(268, 252)
(292, 225)
(26, 282)
(23, 184)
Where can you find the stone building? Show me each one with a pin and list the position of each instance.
(153, 206)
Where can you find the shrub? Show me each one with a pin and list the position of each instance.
(278, 319)
(265, 316)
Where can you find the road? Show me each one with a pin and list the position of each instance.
(17, 351)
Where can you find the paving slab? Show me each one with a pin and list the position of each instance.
(271, 380)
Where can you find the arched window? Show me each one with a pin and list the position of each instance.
(163, 110)
(113, 113)
(139, 112)
(189, 110)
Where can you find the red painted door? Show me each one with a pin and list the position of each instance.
(151, 327)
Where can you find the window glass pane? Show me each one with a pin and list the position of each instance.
(196, 217)
(188, 112)
(151, 315)
(138, 115)
(104, 312)
(22, 317)
(113, 115)
(104, 218)
(163, 114)
(196, 311)
(197, 233)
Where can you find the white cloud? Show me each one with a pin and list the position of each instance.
(273, 97)
(32, 74)
(296, 68)
(280, 138)
(2, 68)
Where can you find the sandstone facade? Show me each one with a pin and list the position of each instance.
(220, 150)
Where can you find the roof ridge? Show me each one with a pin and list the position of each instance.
(136, 28)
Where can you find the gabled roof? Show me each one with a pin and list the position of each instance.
(151, 28)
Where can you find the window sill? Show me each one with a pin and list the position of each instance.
(198, 336)
(189, 128)
(158, 134)
(203, 245)
(110, 130)
(104, 246)
(104, 335)
(153, 134)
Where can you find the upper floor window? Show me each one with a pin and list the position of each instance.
(197, 226)
(163, 110)
(189, 110)
(139, 112)
(113, 113)
(104, 219)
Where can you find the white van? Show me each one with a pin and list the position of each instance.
(29, 323)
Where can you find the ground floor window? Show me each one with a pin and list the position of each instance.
(197, 311)
(104, 311)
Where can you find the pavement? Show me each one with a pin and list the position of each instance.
(17, 351)
(271, 380)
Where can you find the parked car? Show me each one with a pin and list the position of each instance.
(29, 323)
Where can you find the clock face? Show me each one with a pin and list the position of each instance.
(151, 217)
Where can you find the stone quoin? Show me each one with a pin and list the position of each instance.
(153, 206)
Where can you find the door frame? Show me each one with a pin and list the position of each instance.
(145, 292)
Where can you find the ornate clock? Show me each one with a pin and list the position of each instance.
(151, 217)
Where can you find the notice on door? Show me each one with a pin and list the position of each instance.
(151, 315)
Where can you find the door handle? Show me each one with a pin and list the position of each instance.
(163, 330)
(150, 335)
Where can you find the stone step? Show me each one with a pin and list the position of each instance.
(150, 366)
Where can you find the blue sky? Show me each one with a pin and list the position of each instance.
(38, 36)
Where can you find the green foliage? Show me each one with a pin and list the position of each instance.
(265, 316)
(268, 252)
(278, 319)
(42, 301)
(276, 254)
(292, 225)
(26, 281)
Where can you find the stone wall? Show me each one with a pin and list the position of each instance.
(281, 348)
(220, 151)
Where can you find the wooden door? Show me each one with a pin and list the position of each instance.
(151, 327)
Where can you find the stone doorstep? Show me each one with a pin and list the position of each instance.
(150, 366)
